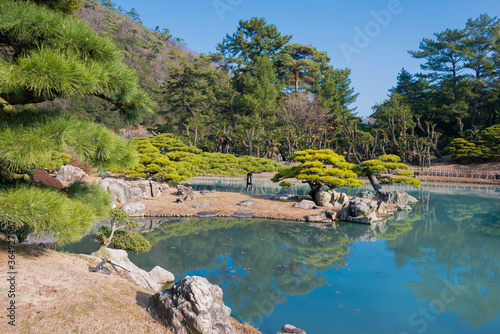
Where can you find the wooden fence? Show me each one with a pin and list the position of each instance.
(457, 172)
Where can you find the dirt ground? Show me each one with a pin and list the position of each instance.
(56, 293)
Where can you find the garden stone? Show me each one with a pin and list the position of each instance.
(399, 198)
(186, 192)
(193, 306)
(134, 209)
(243, 214)
(305, 204)
(323, 198)
(289, 329)
(206, 214)
(207, 192)
(161, 276)
(359, 207)
(248, 203)
(69, 173)
(335, 195)
(317, 218)
(366, 194)
(200, 206)
(343, 199)
(279, 197)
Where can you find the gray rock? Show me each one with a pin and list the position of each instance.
(206, 214)
(366, 194)
(412, 200)
(279, 197)
(332, 214)
(404, 208)
(156, 189)
(290, 329)
(399, 198)
(305, 204)
(243, 214)
(134, 209)
(69, 173)
(359, 207)
(185, 192)
(161, 276)
(132, 191)
(200, 206)
(193, 306)
(323, 198)
(335, 195)
(207, 192)
(248, 203)
(343, 199)
(317, 218)
(139, 276)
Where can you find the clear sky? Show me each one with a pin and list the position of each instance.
(371, 37)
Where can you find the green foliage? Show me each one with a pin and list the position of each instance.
(55, 55)
(405, 173)
(313, 170)
(126, 240)
(93, 195)
(168, 158)
(47, 141)
(408, 180)
(389, 158)
(50, 211)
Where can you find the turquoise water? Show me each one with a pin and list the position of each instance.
(434, 270)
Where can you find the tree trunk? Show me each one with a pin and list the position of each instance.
(375, 184)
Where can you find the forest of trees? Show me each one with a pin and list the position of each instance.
(75, 72)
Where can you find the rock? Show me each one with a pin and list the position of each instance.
(178, 200)
(332, 214)
(317, 218)
(69, 173)
(399, 198)
(248, 203)
(343, 199)
(360, 220)
(243, 214)
(207, 192)
(185, 192)
(193, 306)
(206, 214)
(200, 206)
(132, 191)
(366, 194)
(113, 255)
(323, 198)
(305, 204)
(161, 276)
(134, 209)
(292, 330)
(359, 208)
(139, 276)
(404, 208)
(335, 195)
(279, 197)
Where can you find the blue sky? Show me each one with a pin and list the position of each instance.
(371, 37)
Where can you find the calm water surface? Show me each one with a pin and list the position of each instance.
(434, 270)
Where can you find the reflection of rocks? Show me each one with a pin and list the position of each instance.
(404, 208)
(305, 204)
(193, 306)
(289, 329)
(134, 209)
(154, 280)
(132, 191)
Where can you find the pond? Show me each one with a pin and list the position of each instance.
(434, 270)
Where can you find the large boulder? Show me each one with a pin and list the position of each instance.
(154, 280)
(360, 211)
(185, 192)
(193, 306)
(323, 198)
(134, 209)
(69, 173)
(305, 204)
(366, 194)
(290, 329)
(399, 198)
(132, 191)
